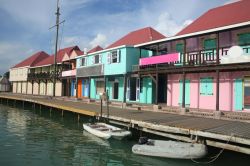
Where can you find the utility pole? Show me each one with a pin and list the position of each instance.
(55, 56)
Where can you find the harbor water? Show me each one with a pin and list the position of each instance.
(44, 138)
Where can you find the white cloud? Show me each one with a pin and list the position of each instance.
(12, 53)
(168, 26)
(231, 1)
(100, 39)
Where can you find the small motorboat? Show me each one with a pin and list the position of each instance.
(169, 149)
(106, 131)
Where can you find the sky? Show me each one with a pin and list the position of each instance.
(24, 26)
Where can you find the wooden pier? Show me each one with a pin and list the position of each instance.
(230, 135)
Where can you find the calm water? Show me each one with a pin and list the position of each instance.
(29, 137)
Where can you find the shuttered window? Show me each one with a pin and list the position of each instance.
(206, 86)
(180, 47)
(244, 38)
(209, 44)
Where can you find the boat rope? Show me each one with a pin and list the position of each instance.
(213, 158)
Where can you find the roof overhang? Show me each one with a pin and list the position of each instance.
(105, 50)
(195, 33)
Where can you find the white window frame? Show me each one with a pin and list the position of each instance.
(85, 61)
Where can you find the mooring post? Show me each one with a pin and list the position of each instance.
(50, 109)
(23, 104)
(40, 108)
(101, 107)
(78, 117)
(34, 106)
(107, 104)
(62, 113)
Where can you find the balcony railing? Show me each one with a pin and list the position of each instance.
(43, 75)
(194, 58)
(96, 70)
(69, 73)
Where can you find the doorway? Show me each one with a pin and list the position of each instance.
(115, 90)
(162, 88)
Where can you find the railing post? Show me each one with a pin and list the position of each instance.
(184, 53)
(217, 48)
(183, 89)
(217, 90)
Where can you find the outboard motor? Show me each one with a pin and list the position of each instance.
(142, 140)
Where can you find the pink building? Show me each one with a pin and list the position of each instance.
(211, 55)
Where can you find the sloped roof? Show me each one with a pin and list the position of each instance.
(32, 60)
(137, 37)
(97, 48)
(225, 15)
(50, 60)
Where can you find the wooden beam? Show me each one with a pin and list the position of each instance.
(152, 77)
(124, 88)
(183, 89)
(156, 88)
(217, 90)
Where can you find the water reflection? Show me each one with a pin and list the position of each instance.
(30, 138)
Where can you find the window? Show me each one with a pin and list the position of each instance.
(96, 59)
(99, 87)
(83, 62)
(209, 44)
(206, 86)
(114, 56)
(180, 47)
(244, 38)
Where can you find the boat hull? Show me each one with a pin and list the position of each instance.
(106, 131)
(171, 149)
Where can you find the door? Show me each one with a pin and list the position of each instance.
(138, 89)
(162, 90)
(115, 90)
(238, 94)
(72, 89)
(187, 92)
(83, 88)
(79, 86)
(86, 88)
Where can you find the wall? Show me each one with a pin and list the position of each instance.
(58, 88)
(35, 88)
(147, 93)
(29, 88)
(24, 87)
(109, 87)
(49, 88)
(18, 74)
(205, 101)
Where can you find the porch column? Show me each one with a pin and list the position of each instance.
(217, 90)
(89, 86)
(32, 87)
(27, 82)
(217, 48)
(76, 84)
(156, 88)
(124, 88)
(183, 89)
(105, 83)
(184, 52)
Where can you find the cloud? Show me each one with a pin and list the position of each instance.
(12, 53)
(168, 26)
(100, 39)
(231, 1)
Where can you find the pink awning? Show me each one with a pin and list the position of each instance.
(160, 59)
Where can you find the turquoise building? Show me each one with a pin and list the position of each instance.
(110, 70)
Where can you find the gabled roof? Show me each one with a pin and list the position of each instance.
(32, 60)
(60, 54)
(97, 48)
(225, 15)
(137, 37)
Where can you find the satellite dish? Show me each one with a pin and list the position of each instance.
(235, 51)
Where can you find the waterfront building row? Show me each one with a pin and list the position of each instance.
(205, 66)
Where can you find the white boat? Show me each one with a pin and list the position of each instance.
(170, 149)
(106, 131)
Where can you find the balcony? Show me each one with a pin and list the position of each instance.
(43, 75)
(96, 70)
(69, 73)
(194, 58)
